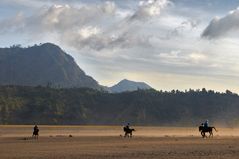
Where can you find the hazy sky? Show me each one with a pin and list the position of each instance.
(169, 44)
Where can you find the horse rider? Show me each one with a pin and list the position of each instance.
(35, 128)
(206, 124)
(35, 131)
(127, 126)
(128, 130)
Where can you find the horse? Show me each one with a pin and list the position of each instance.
(35, 133)
(128, 132)
(203, 131)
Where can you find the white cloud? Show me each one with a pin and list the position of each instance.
(89, 31)
(96, 39)
(149, 8)
(55, 18)
(220, 27)
(92, 26)
(109, 7)
(197, 57)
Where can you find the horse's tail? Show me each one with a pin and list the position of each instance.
(215, 129)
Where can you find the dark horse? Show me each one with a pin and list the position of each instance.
(128, 132)
(203, 131)
(35, 133)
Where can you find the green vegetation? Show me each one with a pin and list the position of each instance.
(45, 105)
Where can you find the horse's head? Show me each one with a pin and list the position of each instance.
(200, 128)
(125, 129)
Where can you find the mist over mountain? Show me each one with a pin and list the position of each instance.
(45, 64)
(127, 85)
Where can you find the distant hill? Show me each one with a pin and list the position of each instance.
(45, 64)
(127, 85)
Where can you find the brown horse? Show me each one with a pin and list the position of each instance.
(128, 132)
(204, 130)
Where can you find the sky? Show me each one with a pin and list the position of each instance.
(169, 44)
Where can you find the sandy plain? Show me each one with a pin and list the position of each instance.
(106, 142)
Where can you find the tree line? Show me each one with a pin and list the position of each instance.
(46, 105)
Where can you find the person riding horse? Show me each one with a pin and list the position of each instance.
(206, 128)
(127, 126)
(35, 133)
(128, 131)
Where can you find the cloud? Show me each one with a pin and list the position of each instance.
(197, 57)
(97, 39)
(81, 23)
(185, 25)
(220, 27)
(149, 8)
(89, 31)
(109, 7)
(95, 26)
(58, 18)
(64, 17)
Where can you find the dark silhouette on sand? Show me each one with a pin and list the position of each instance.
(204, 130)
(128, 131)
(35, 133)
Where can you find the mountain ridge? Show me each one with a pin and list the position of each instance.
(128, 85)
(48, 65)
(42, 65)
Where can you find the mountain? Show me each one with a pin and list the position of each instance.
(45, 64)
(127, 85)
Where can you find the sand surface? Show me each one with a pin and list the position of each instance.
(105, 142)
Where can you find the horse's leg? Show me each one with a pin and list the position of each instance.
(203, 134)
(125, 134)
(211, 134)
(131, 134)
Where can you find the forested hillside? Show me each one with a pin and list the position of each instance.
(44, 105)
